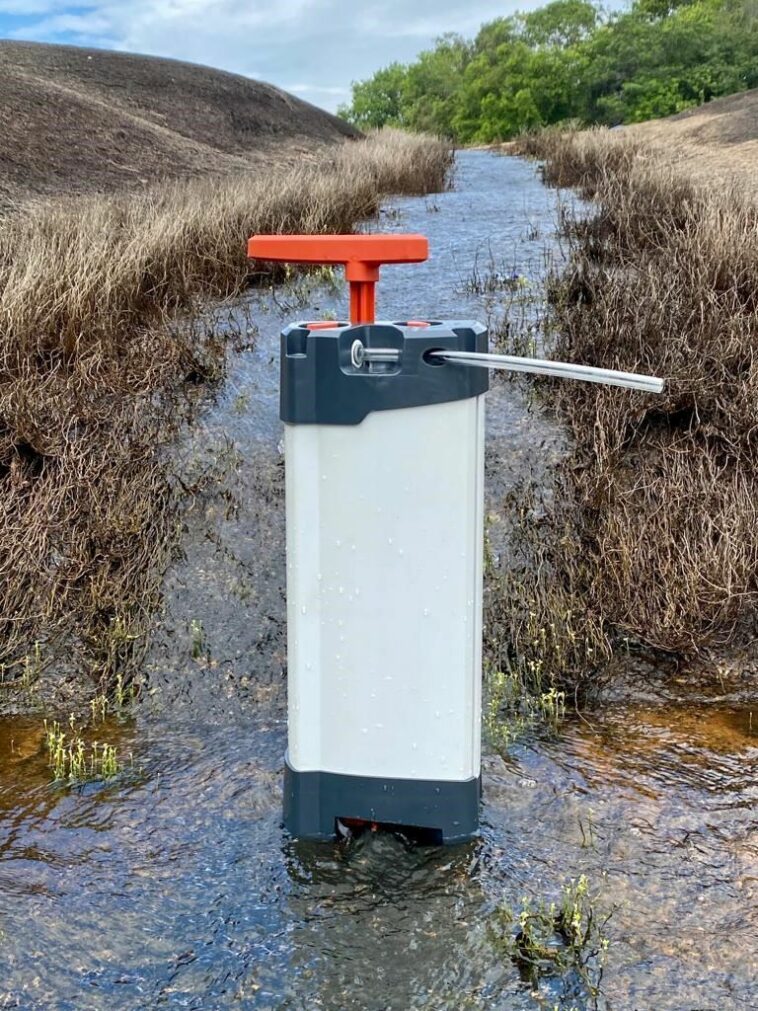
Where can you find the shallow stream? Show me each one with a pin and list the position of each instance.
(175, 886)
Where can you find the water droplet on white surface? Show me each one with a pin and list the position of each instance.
(389, 540)
(426, 612)
(303, 609)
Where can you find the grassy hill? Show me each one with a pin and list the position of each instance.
(82, 120)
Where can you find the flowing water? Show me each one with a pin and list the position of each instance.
(174, 884)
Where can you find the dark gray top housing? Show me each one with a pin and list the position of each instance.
(320, 385)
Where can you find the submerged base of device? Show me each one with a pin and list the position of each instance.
(314, 801)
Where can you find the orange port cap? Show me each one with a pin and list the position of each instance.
(361, 255)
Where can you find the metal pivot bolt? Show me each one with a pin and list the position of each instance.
(360, 354)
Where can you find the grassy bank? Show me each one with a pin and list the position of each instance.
(657, 541)
(103, 329)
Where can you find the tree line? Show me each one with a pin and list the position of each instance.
(567, 61)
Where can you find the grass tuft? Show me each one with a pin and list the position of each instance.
(73, 761)
(104, 328)
(662, 278)
(562, 943)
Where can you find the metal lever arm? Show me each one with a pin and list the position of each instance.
(545, 367)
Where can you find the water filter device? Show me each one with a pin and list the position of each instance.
(384, 458)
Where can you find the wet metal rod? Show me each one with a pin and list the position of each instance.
(361, 355)
(544, 367)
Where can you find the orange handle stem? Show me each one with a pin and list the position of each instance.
(361, 255)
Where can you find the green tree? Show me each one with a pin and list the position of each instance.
(562, 23)
(378, 101)
(569, 60)
(432, 84)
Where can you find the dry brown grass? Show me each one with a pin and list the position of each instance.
(664, 279)
(97, 342)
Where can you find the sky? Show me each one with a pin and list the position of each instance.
(313, 48)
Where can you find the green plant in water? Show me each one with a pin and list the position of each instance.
(99, 707)
(73, 761)
(120, 693)
(197, 637)
(241, 403)
(563, 940)
(514, 701)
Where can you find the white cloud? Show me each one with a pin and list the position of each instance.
(321, 44)
(297, 89)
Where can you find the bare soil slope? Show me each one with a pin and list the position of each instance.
(719, 139)
(82, 120)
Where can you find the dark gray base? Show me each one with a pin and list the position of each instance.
(314, 800)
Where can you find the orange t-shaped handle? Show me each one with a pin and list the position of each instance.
(361, 255)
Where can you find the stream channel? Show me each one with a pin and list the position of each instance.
(175, 886)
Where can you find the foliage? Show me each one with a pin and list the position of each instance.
(569, 60)
(72, 761)
(516, 702)
(562, 942)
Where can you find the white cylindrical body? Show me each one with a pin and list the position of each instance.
(384, 593)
